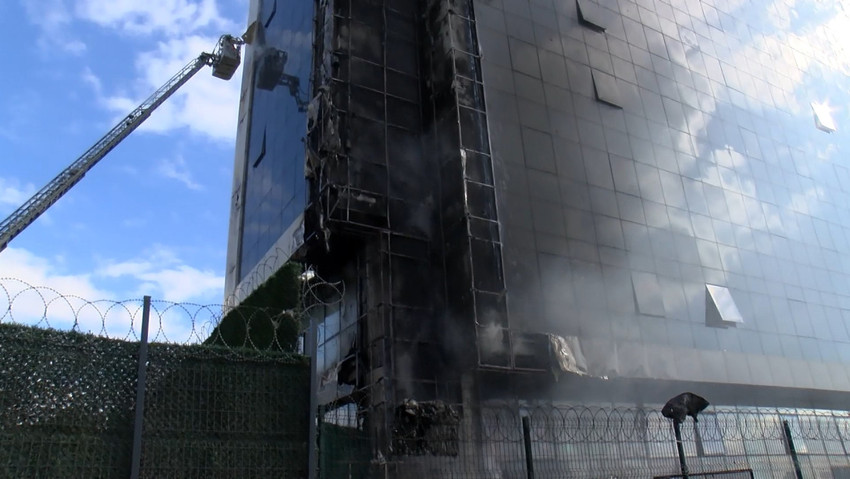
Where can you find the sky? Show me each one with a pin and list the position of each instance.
(152, 217)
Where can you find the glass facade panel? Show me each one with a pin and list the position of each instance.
(720, 161)
(275, 187)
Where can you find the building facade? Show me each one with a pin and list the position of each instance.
(269, 187)
(556, 201)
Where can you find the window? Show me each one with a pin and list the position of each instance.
(648, 293)
(823, 117)
(605, 87)
(720, 307)
(589, 15)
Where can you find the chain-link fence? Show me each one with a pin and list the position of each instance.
(500, 440)
(223, 397)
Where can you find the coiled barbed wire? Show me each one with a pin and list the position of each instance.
(583, 424)
(183, 324)
(317, 292)
(271, 263)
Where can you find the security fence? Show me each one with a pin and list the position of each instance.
(736, 474)
(222, 396)
(502, 440)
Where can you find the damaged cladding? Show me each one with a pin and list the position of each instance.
(531, 202)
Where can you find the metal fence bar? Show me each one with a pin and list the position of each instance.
(787, 429)
(312, 433)
(735, 472)
(578, 441)
(526, 436)
(140, 391)
(677, 429)
(80, 393)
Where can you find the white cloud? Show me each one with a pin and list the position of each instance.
(40, 291)
(53, 18)
(177, 169)
(205, 106)
(164, 274)
(184, 28)
(30, 293)
(37, 271)
(794, 54)
(171, 17)
(161, 273)
(183, 282)
(92, 80)
(13, 193)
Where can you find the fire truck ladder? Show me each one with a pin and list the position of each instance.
(224, 61)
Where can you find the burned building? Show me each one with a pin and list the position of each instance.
(550, 202)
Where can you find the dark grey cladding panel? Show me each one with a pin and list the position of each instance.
(682, 145)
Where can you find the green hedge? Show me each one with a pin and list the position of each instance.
(268, 319)
(67, 402)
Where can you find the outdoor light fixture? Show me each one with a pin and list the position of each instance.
(684, 405)
(678, 409)
(307, 275)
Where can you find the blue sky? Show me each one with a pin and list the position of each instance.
(152, 217)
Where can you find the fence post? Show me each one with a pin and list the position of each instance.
(526, 439)
(140, 391)
(677, 429)
(313, 451)
(792, 449)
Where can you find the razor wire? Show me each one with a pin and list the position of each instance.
(226, 330)
(270, 264)
(67, 401)
(597, 424)
(446, 440)
(219, 402)
(320, 293)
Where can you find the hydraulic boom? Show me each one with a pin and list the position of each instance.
(224, 60)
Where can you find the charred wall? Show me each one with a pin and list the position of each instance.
(469, 218)
(400, 165)
(403, 203)
(374, 196)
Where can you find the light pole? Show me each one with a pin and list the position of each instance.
(677, 409)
